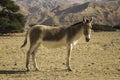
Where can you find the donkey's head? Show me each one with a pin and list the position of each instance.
(87, 23)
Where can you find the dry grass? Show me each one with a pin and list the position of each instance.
(97, 60)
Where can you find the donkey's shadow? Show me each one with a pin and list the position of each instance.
(25, 71)
(13, 71)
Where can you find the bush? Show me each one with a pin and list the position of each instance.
(99, 27)
(10, 20)
(12, 23)
(116, 27)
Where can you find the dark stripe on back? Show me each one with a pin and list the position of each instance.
(55, 34)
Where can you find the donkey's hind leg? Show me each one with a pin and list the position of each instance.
(31, 49)
(28, 58)
(34, 57)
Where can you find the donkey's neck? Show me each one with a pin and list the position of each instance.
(75, 31)
(78, 34)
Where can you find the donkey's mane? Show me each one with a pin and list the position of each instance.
(77, 23)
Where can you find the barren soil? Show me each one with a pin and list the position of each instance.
(98, 59)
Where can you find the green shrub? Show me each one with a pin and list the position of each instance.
(117, 26)
(99, 27)
(10, 20)
(11, 23)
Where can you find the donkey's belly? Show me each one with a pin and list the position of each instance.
(53, 44)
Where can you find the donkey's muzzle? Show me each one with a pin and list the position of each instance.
(87, 39)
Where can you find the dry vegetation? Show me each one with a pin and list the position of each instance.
(97, 60)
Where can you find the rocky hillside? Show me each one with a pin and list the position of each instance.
(67, 12)
(103, 12)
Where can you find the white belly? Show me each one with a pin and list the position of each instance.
(53, 44)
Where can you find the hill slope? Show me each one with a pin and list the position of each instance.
(66, 12)
(103, 12)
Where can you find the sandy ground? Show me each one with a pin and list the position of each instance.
(97, 60)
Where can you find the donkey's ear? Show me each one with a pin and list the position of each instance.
(91, 19)
(84, 20)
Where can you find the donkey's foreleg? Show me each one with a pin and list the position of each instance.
(69, 48)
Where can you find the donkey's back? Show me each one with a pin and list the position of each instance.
(48, 36)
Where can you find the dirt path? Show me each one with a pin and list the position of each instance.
(97, 60)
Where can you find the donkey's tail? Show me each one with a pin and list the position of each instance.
(25, 41)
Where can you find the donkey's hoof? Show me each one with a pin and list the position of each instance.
(27, 70)
(37, 69)
(69, 69)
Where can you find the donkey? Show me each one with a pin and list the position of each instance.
(53, 37)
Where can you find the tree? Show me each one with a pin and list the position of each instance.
(10, 19)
